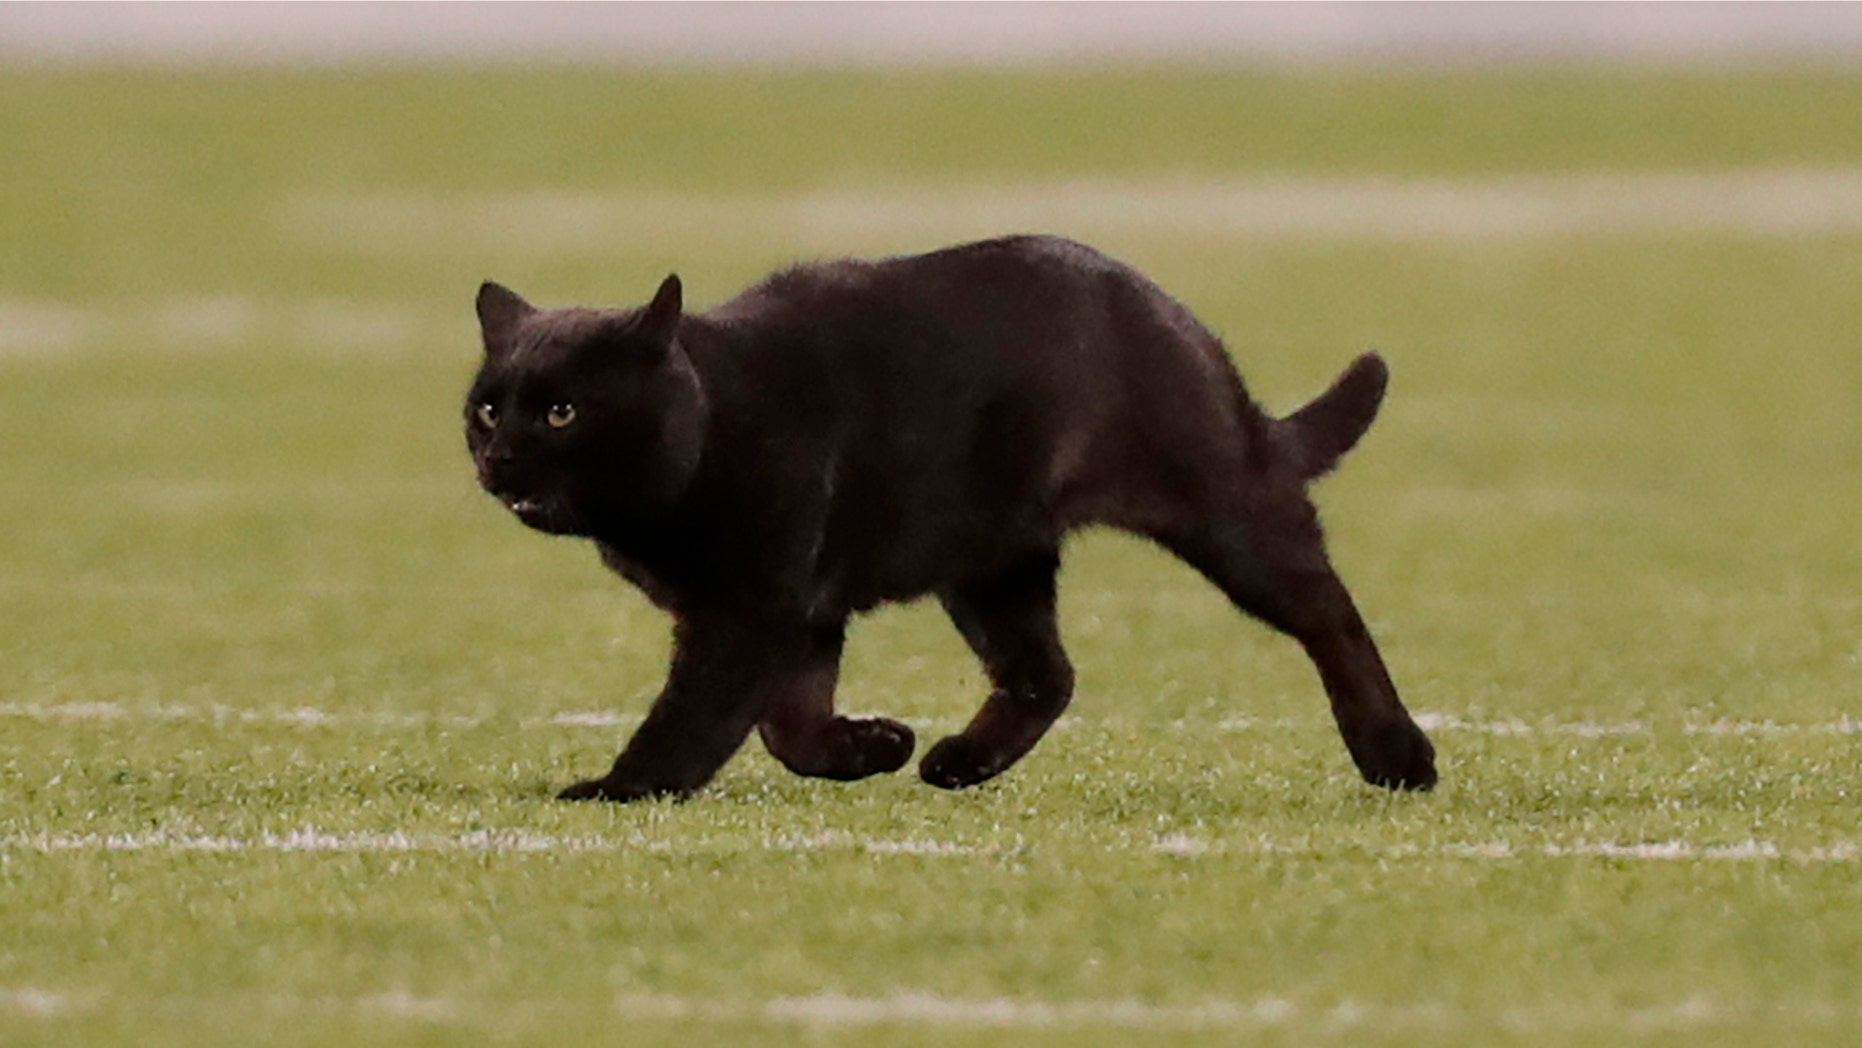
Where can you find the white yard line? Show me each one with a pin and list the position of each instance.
(31, 1002)
(1764, 203)
(30, 328)
(1671, 850)
(498, 842)
(924, 1009)
(832, 840)
(921, 1009)
(293, 717)
(1777, 202)
(313, 840)
(312, 717)
(528, 842)
(905, 1008)
(1583, 729)
(1443, 722)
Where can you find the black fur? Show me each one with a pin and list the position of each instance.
(850, 433)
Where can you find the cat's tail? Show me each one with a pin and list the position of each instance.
(1318, 435)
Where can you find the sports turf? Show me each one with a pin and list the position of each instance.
(282, 698)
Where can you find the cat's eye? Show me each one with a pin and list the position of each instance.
(487, 415)
(560, 415)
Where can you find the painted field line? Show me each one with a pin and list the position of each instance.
(924, 1009)
(296, 717)
(1765, 202)
(1268, 1012)
(313, 840)
(469, 842)
(32, 327)
(921, 1009)
(31, 1002)
(313, 717)
(1762, 202)
(526, 842)
(1448, 722)
(836, 841)
(1643, 851)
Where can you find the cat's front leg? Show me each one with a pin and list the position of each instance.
(724, 669)
(801, 729)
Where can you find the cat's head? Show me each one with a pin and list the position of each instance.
(584, 419)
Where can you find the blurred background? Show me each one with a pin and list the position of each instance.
(865, 34)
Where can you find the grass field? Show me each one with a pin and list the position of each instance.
(283, 698)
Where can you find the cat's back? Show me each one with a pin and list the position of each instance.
(1035, 325)
(1027, 278)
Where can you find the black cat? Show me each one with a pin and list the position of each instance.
(850, 433)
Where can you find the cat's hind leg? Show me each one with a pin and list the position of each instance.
(1008, 620)
(1269, 560)
(800, 729)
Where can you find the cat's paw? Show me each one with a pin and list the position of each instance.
(608, 789)
(1396, 756)
(880, 745)
(960, 761)
(846, 749)
(586, 790)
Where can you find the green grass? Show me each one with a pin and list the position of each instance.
(1614, 488)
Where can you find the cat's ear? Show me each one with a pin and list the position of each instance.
(500, 310)
(645, 335)
(660, 319)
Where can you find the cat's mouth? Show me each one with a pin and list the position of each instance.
(538, 514)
